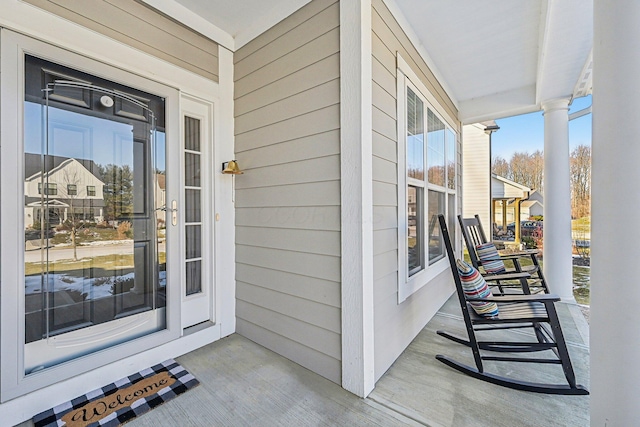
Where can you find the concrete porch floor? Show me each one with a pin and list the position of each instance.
(245, 384)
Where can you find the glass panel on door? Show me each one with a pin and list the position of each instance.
(95, 203)
(193, 190)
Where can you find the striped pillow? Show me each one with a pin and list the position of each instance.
(473, 285)
(490, 259)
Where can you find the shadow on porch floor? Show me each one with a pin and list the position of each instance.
(245, 384)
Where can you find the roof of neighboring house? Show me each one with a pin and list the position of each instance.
(161, 180)
(503, 188)
(529, 203)
(33, 164)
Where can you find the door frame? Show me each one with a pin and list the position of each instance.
(13, 381)
(200, 307)
(34, 22)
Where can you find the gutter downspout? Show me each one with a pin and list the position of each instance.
(489, 130)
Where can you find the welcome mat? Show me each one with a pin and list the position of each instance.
(122, 400)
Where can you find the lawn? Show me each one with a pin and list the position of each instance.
(581, 279)
(106, 264)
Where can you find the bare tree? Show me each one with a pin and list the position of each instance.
(70, 187)
(523, 168)
(501, 167)
(528, 169)
(580, 162)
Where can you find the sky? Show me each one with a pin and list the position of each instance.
(525, 133)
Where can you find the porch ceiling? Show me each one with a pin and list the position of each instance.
(495, 58)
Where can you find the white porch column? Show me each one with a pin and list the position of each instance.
(615, 255)
(557, 199)
(356, 181)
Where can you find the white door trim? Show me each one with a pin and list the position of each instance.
(14, 47)
(34, 22)
(199, 307)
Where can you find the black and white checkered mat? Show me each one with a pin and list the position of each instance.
(121, 401)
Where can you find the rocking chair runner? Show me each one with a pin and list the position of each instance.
(514, 312)
(474, 236)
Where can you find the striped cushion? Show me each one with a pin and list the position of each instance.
(490, 259)
(473, 285)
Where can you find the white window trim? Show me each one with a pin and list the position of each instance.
(406, 77)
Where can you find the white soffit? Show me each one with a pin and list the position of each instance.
(502, 57)
(243, 19)
(495, 58)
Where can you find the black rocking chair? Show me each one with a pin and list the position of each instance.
(515, 312)
(474, 235)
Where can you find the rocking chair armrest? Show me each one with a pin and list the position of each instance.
(507, 276)
(518, 255)
(518, 298)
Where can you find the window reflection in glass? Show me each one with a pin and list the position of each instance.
(435, 150)
(415, 136)
(414, 229)
(436, 206)
(451, 159)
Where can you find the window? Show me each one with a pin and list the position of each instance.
(91, 190)
(72, 189)
(427, 182)
(50, 189)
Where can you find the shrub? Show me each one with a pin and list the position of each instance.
(125, 230)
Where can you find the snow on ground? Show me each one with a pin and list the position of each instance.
(90, 287)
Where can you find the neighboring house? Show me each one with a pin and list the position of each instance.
(506, 199)
(346, 117)
(520, 198)
(532, 206)
(68, 187)
(476, 163)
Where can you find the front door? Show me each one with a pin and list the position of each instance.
(95, 258)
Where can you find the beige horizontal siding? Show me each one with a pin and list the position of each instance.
(324, 316)
(310, 358)
(143, 28)
(297, 19)
(385, 148)
(287, 134)
(385, 217)
(324, 95)
(396, 40)
(309, 288)
(310, 53)
(308, 241)
(320, 72)
(313, 28)
(395, 325)
(294, 217)
(309, 147)
(294, 195)
(385, 170)
(313, 123)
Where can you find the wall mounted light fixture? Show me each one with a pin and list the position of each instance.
(231, 168)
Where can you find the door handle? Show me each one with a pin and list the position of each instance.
(173, 209)
(174, 213)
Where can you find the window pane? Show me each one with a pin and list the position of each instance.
(192, 205)
(451, 159)
(415, 136)
(194, 277)
(192, 170)
(435, 150)
(193, 241)
(436, 205)
(414, 229)
(451, 217)
(191, 134)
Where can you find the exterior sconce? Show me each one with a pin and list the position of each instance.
(231, 168)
